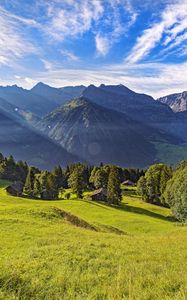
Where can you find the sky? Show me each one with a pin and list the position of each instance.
(141, 44)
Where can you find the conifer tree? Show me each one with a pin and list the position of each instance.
(113, 187)
(76, 180)
(29, 183)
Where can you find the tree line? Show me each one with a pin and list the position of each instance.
(162, 185)
(159, 184)
(43, 184)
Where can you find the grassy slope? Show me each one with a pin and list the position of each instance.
(44, 257)
(171, 154)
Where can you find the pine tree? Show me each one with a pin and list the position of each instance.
(113, 187)
(59, 176)
(29, 183)
(37, 188)
(76, 180)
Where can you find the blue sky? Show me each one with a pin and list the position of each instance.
(142, 44)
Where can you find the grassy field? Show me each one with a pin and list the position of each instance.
(133, 252)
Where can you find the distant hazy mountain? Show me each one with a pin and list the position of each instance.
(139, 107)
(58, 95)
(26, 144)
(177, 102)
(26, 100)
(109, 123)
(100, 134)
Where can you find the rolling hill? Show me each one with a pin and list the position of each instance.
(135, 246)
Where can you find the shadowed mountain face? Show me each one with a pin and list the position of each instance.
(177, 102)
(58, 95)
(99, 134)
(109, 123)
(26, 100)
(25, 143)
(41, 99)
(139, 107)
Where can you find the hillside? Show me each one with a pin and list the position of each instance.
(132, 248)
(139, 107)
(100, 134)
(23, 142)
(177, 102)
(27, 100)
(58, 95)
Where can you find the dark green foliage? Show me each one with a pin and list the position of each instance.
(10, 170)
(132, 174)
(99, 177)
(176, 194)
(59, 177)
(76, 180)
(151, 186)
(29, 183)
(142, 187)
(113, 186)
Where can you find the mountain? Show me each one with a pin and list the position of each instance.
(27, 100)
(177, 102)
(124, 100)
(57, 95)
(24, 143)
(100, 134)
(139, 107)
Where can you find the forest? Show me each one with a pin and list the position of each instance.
(160, 184)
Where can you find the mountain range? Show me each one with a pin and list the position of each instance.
(109, 123)
(177, 102)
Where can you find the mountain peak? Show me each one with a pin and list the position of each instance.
(177, 101)
(39, 85)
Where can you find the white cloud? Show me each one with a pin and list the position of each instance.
(13, 43)
(117, 26)
(72, 18)
(156, 79)
(173, 22)
(48, 65)
(102, 44)
(69, 55)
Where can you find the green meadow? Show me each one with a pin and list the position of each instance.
(134, 251)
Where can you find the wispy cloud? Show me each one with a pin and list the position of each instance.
(70, 18)
(69, 55)
(173, 21)
(13, 43)
(155, 79)
(102, 44)
(118, 26)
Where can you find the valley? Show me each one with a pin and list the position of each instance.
(109, 123)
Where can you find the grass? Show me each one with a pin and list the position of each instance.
(171, 154)
(137, 252)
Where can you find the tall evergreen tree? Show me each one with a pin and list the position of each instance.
(113, 187)
(76, 180)
(29, 183)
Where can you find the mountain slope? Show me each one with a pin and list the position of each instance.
(177, 102)
(100, 134)
(139, 107)
(124, 100)
(26, 144)
(57, 95)
(26, 100)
